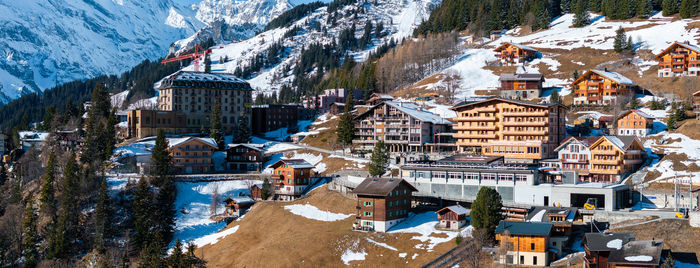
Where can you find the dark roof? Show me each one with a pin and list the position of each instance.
(188, 79)
(380, 186)
(471, 158)
(627, 140)
(521, 77)
(524, 228)
(468, 103)
(599, 241)
(640, 252)
(569, 213)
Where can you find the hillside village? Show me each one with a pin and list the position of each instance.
(567, 145)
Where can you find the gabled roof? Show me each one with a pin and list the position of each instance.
(539, 213)
(460, 210)
(523, 47)
(585, 141)
(640, 113)
(606, 241)
(172, 142)
(521, 77)
(697, 93)
(618, 78)
(676, 44)
(380, 186)
(527, 103)
(524, 228)
(621, 142)
(411, 110)
(639, 252)
(239, 200)
(257, 147)
(293, 163)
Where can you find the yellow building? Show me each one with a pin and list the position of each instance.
(518, 130)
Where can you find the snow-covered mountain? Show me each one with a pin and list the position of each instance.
(398, 17)
(44, 43)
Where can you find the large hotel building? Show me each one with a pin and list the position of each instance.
(186, 101)
(517, 130)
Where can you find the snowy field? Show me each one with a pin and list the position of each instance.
(310, 212)
(192, 204)
(424, 225)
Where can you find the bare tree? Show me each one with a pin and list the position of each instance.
(473, 254)
(214, 206)
(11, 230)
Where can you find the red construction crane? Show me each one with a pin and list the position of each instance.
(194, 55)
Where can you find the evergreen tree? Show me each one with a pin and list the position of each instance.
(669, 262)
(669, 7)
(102, 218)
(95, 143)
(644, 9)
(110, 133)
(265, 192)
(142, 209)
(575, 75)
(346, 128)
(629, 45)
(30, 237)
(379, 30)
(160, 160)
(3, 175)
(581, 14)
(554, 97)
(48, 117)
(634, 102)
(379, 160)
(164, 215)
(688, 8)
(620, 42)
(671, 120)
(66, 229)
(366, 35)
(486, 210)
(217, 131)
(47, 197)
(177, 259)
(151, 257)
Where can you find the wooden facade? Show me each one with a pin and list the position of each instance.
(613, 157)
(192, 155)
(679, 59)
(526, 243)
(521, 86)
(244, 157)
(452, 217)
(513, 54)
(598, 87)
(634, 123)
(513, 129)
(382, 203)
(402, 126)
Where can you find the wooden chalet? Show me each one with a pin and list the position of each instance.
(377, 98)
(336, 108)
(238, 205)
(521, 86)
(244, 157)
(562, 219)
(635, 123)
(382, 203)
(597, 87)
(514, 54)
(291, 177)
(453, 217)
(679, 59)
(256, 192)
(192, 154)
(526, 243)
(598, 247)
(614, 157)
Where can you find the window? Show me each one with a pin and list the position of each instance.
(532, 246)
(368, 214)
(522, 259)
(368, 204)
(534, 260)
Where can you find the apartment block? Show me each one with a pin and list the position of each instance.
(598, 87)
(518, 130)
(382, 203)
(679, 59)
(186, 101)
(514, 54)
(274, 116)
(402, 126)
(613, 158)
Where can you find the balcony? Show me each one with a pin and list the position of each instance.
(604, 152)
(526, 123)
(605, 162)
(487, 109)
(474, 136)
(474, 128)
(526, 113)
(364, 141)
(526, 132)
(476, 119)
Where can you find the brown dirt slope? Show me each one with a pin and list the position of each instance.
(270, 236)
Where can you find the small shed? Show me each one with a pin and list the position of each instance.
(238, 205)
(453, 217)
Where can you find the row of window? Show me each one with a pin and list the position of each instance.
(466, 175)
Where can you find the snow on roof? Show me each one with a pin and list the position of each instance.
(257, 147)
(242, 200)
(172, 142)
(33, 135)
(416, 112)
(460, 210)
(617, 142)
(293, 163)
(523, 47)
(615, 77)
(521, 77)
(188, 76)
(643, 114)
